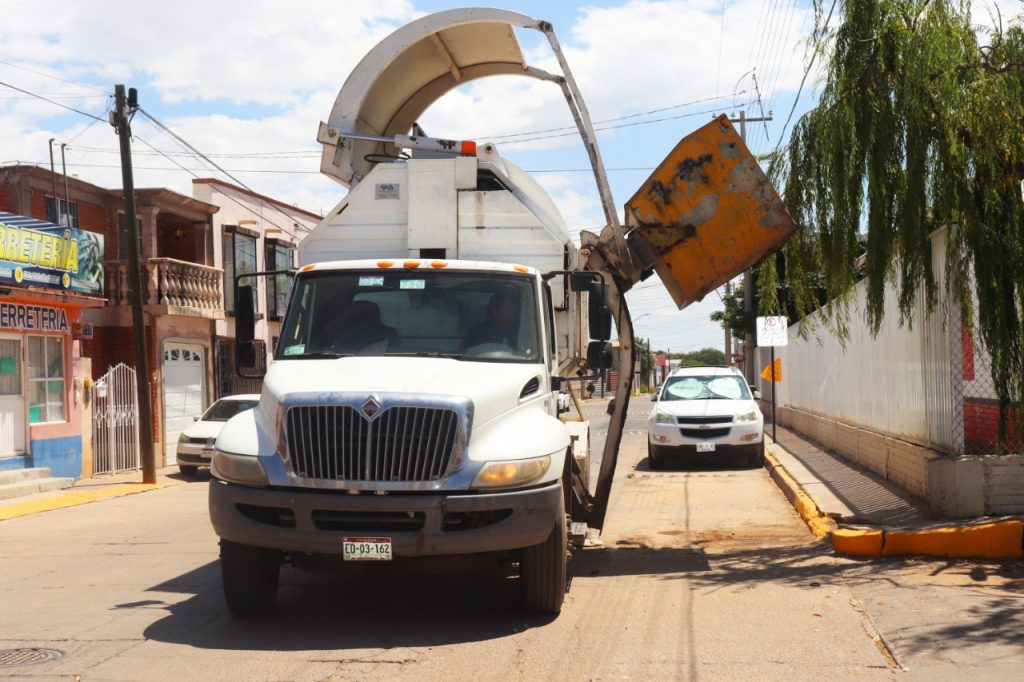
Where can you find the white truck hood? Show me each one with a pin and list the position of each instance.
(493, 387)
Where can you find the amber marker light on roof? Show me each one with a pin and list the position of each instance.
(307, 268)
(412, 263)
(384, 264)
(438, 264)
(521, 268)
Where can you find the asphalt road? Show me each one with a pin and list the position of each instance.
(705, 573)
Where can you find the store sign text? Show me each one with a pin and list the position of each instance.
(32, 318)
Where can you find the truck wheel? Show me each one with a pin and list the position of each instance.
(250, 576)
(653, 460)
(187, 470)
(543, 569)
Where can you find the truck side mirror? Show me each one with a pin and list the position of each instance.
(599, 318)
(245, 331)
(599, 355)
(582, 280)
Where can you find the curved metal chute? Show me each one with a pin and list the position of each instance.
(410, 70)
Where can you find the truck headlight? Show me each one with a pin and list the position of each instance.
(518, 472)
(747, 417)
(663, 417)
(242, 469)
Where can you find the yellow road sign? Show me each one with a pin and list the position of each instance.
(773, 371)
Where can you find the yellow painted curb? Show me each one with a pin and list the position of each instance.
(73, 497)
(819, 524)
(856, 542)
(997, 540)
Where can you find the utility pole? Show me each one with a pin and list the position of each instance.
(748, 276)
(120, 118)
(728, 332)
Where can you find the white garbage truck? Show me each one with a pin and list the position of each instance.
(416, 403)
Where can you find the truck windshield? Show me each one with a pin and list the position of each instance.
(474, 316)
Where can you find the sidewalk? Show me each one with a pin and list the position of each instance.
(88, 490)
(869, 516)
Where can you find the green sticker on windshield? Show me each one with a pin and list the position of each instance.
(371, 281)
(297, 349)
(412, 283)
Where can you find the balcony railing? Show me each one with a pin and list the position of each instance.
(169, 282)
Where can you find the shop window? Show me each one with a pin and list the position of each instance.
(279, 256)
(239, 258)
(10, 367)
(67, 214)
(46, 379)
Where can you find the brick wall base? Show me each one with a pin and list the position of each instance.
(957, 487)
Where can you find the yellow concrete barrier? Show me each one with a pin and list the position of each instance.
(998, 540)
(855, 542)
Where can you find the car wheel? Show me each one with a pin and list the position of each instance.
(188, 470)
(250, 576)
(756, 458)
(654, 461)
(543, 569)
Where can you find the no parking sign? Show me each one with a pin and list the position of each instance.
(771, 331)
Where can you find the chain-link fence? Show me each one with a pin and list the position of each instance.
(977, 423)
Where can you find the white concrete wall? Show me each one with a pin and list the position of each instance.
(897, 383)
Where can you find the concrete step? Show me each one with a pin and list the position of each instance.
(33, 486)
(18, 475)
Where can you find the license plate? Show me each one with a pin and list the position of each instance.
(705, 447)
(366, 549)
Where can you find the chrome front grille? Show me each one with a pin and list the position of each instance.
(336, 442)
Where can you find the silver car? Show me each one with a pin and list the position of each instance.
(195, 444)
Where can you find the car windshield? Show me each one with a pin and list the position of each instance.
(223, 410)
(705, 388)
(475, 316)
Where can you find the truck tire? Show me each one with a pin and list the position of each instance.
(250, 576)
(543, 570)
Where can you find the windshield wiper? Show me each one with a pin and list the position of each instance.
(426, 353)
(317, 355)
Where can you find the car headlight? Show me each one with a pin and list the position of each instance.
(182, 438)
(747, 417)
(664, 417)
(518, 472)
(242, 469)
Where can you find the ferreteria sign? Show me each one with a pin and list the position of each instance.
(37, 253)
(32, 318)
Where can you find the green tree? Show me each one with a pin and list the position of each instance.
(704, 356)
(918, 128)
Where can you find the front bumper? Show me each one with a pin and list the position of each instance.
(194, 453)
(315, 522)
(739, 434)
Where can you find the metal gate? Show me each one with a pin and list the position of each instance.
(115, 426)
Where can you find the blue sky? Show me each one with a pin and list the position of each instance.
(251, 81)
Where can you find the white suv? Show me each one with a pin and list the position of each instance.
(708, 411)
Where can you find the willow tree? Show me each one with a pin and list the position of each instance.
(920, 126)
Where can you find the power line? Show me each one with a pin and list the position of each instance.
(648, 112)
(57, 78)
(54, 102)
(183, 142)
(810, 64)
(248, 208)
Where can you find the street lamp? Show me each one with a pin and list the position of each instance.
(647, 379)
